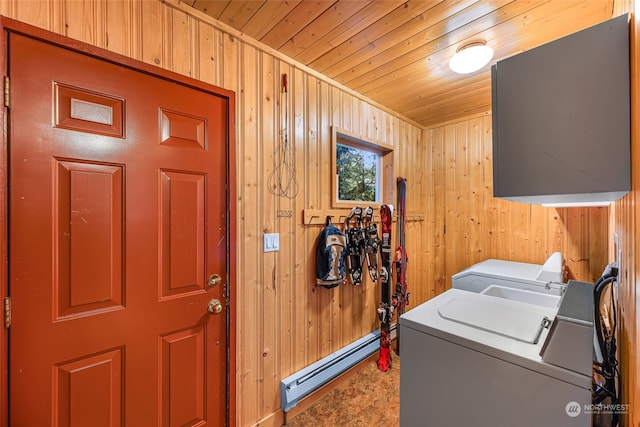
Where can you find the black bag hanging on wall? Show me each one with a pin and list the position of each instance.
(330, 256)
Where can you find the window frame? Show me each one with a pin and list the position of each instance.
(385, 180)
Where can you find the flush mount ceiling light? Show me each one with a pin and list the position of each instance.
(471, 57)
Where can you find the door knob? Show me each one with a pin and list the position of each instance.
(214, 306)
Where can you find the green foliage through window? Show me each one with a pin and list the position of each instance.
(358, 174)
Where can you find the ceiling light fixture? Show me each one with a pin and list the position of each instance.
(471, 57)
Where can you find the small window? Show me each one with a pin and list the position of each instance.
(357, 174)
(360, 170)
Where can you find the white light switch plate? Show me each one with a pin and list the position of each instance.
(271, 242)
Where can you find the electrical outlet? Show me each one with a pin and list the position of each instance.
(271, 242)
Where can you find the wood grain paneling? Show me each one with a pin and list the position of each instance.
(479, 226)
(285, 322)
(397, 52)
(625, 218)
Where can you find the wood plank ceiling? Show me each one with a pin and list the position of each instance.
(397, 52)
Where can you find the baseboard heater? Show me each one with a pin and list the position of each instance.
(314, 376)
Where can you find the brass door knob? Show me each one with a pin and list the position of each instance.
(214, 306)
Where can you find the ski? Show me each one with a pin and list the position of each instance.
(401, 296)
(371, 243)
(355, 245)
(385, 310)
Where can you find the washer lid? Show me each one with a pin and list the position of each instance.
(494, 326)
(519, 322)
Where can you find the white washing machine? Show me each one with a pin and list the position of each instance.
(470, 359)
(545, 278)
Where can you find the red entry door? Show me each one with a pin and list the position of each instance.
(117, 213)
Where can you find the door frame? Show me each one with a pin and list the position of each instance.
(8, 25)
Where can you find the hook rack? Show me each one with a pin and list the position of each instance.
(339, 216)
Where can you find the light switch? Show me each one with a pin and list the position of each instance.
(271, 242)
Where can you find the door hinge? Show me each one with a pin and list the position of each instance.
(7, 312)
(7, 91)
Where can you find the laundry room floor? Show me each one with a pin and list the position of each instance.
(370, 397)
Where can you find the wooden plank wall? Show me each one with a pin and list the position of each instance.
(284, 321)
(625, 218)
(478, 226)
